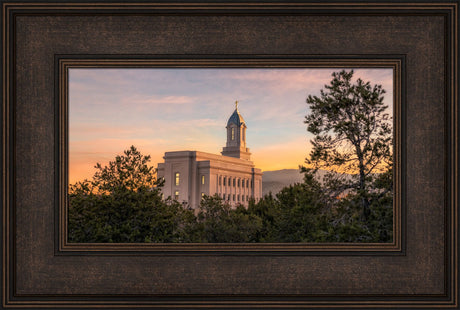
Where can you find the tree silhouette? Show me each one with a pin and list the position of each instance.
(353, 139)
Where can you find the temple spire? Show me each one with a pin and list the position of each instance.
(236, 136)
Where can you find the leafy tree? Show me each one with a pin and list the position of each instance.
(220, 223)
(300, 211)
(127, 172)
(353, 140)
(123, 203)
(268, 210)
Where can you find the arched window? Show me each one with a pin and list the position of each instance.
(225, 181)
(177, 178)
(176, 195)
(233, 133)
(202, 179)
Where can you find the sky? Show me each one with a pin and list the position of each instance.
(160, 110)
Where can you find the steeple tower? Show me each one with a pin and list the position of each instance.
(236, 136)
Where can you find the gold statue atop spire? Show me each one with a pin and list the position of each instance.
(236, 105)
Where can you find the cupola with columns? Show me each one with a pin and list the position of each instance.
(236, 136)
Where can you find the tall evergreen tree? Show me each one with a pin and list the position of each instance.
(352, 139)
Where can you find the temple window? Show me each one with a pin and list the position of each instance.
(177, 178)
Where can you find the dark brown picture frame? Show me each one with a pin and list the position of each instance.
(40, 270)
(66, 62)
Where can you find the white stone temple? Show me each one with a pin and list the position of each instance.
(189, 175)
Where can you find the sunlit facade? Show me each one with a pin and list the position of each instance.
(189, 175)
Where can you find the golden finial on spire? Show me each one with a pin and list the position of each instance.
(236, 105)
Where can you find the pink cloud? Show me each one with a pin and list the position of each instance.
(111, 117)
(155, 100)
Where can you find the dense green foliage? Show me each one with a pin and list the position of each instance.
(353, 202)
(100, 213)
(123, 203)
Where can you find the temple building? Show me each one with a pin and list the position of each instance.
(189, 175)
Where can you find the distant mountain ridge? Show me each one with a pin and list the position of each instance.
(274, 181)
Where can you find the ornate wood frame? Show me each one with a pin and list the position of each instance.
(42, 40)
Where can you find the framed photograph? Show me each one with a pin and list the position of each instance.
(197, 109)
(242, 195)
